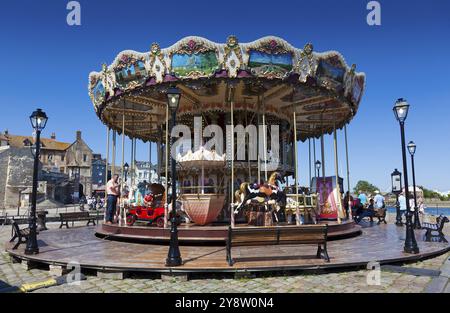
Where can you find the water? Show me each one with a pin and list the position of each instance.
(428, 210)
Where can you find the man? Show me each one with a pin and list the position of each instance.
(362, 198)
(113, 190)
(369, 212)
(379, 200)
(402, 203)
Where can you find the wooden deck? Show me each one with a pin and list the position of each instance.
(383, 243)
(191, 233)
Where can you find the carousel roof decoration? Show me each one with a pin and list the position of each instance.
(322, 90)
(201, 157)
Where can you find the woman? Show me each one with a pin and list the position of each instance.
(348, 197)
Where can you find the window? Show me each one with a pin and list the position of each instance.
(84, 158)
(100, 174)
(62, 157)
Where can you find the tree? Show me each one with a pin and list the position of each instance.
(429, 194)
(365, 187)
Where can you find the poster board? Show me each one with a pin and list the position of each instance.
(328, 198)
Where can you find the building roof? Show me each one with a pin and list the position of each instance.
(47, 143)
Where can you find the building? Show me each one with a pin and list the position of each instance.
(3, 140)
(53, 152)
(64, 166)
(16, 176)
(79, 164)
(98, 172)
(145, 171)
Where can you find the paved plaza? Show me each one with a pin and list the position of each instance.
(415, 280)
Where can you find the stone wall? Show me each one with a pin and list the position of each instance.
(16, 175)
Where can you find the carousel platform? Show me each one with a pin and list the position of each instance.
(382, 243)
(192, 234)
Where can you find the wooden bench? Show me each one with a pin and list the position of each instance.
(21, 234)
(262, 236)
(75, 217)
(381, 215)
(438, 227)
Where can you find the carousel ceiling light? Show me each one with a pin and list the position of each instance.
(173, 98)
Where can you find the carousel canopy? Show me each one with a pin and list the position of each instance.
(267, 76)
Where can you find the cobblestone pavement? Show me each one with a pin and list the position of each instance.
(353, 281)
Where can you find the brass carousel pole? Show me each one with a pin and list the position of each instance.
(113, 165)
(130, 174)
(309, 159)
(257, 142)
(322, 151)
(314, 155)
(338, 188)
(166, 206)
(264, 139)
(348, 175)
(297, 209)
(133, 173)
(106, 169)
(231, 99)
(122, 209)
(150, 161)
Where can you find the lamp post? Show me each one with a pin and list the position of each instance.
(318, 165)
(412, 151)
(396, 179)
(174, 255)
(126, 167)
(401, 112)
(38, 120)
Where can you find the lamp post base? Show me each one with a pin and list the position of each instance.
(174, 255)
(410, 241)
(416, 219)
(398, 219)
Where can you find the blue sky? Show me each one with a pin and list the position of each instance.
(45, 63)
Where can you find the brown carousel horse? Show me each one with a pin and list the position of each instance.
(262, 193)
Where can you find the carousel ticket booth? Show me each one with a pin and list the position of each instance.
(243, 110)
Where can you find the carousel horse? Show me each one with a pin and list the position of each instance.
(263, 194)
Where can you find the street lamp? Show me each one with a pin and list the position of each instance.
(38, 120)
(318, 165)
(412, 150)
(126, 167)
(401, 112)
(396, 179)
(174, 255)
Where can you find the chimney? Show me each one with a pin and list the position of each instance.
(78, 135)
(53, 136)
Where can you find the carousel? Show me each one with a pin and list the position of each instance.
(242, 110)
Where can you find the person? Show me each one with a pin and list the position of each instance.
(379, 200)
(362, 198)
(421, 205)
(348, 197)
(357, 208)
(369, 212)
(402, 203)
(113, 190)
